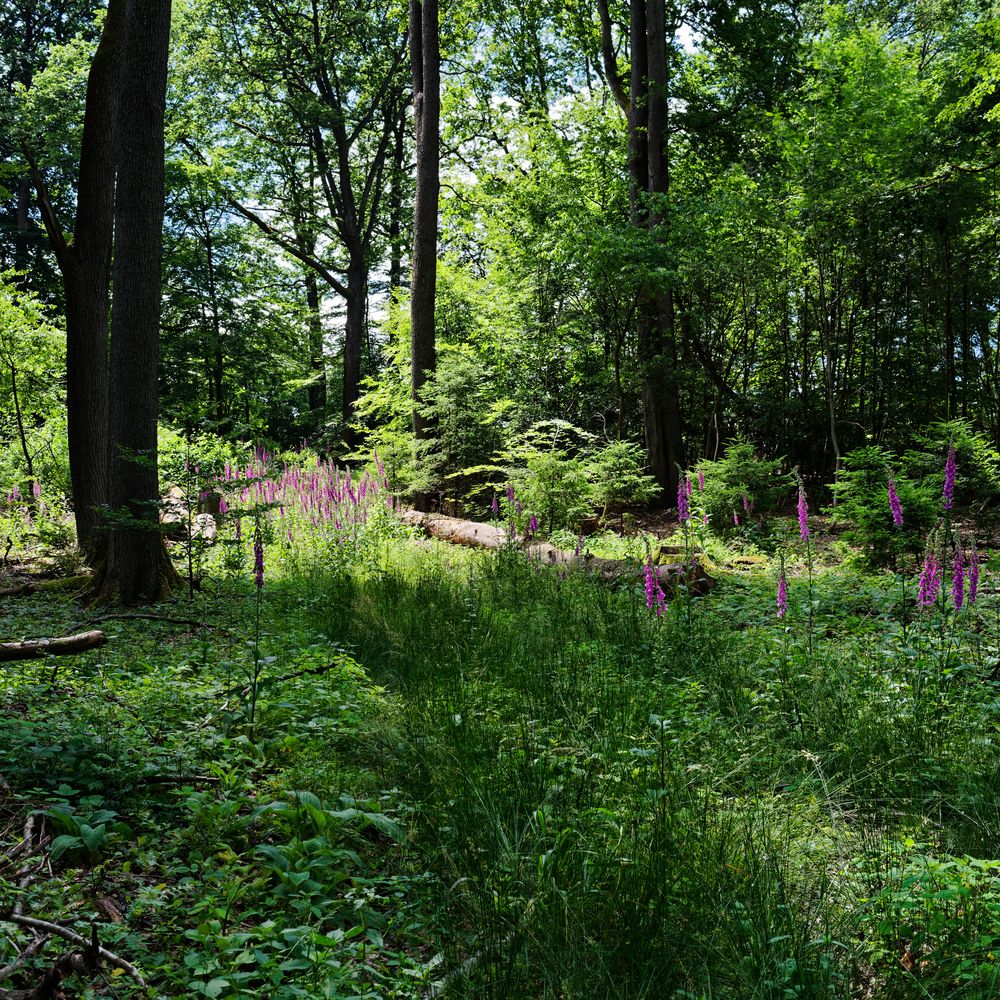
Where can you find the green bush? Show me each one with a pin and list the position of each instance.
(862, 503)
(978, 480)
(617, 474)
(740, 474)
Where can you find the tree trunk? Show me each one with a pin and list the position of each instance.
(85, 265)
(31, 649)
(475, 534)
(317, 388)
(19, 419)
(396, 211)
(354, 327)
(426, 61)
(137, 566)
(649, 165)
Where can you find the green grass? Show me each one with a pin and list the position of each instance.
(515, 782)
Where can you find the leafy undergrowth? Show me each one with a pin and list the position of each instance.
(218, 864)
(472, 776)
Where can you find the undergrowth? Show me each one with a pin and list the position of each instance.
(475, 777)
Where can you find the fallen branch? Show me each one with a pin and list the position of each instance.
(57, 930)
(29, 649)
(180, 779)
(29, 952)
(488, 536)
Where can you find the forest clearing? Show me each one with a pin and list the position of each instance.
(499, 500)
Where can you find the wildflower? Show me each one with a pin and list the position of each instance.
(973, 575)
(36, 489)
(683, 509)
(239, 528)
(894, 504)
(223, 506)
(958, 578)
(689, 486)
(746, 503)
(510, 492)
(701, 480)
(803, 515)
(495, 506)
(930, 581)
(519, 507)
(736, 519)
(704, 520)
(655, 598)
(782, 594)
(258, 559)
(532, 525)
(950, 468)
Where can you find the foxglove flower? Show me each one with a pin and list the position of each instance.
(655, 598)
(258, 559)
(736, 519)
(701, 480)
(782, 594)
(683, 508)
(958, 578)
(36, 489)
(930, 581)
(532, 526)
(950, 469)
(974, 575)
(894, 504)
(689, 486)
(803, 515)
(510, 492)
(495, 506)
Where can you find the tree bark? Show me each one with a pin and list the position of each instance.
(137, 566)
(490, 536)
(354, 328)
(317, 388)
(30, 649)
(649, 165)
(426, 61)
(85, 264)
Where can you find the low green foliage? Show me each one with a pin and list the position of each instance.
(740, 487)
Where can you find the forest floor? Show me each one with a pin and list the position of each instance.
(429, 771)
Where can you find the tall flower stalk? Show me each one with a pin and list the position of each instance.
(804, 536)
(950, 472)
(258, 579)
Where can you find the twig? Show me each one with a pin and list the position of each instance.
(180, 779)
(33, 949)
(47, 927)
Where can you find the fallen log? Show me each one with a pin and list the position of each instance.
(490, 536)
(29, 649)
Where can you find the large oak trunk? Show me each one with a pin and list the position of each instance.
(425, 58)
(137, 566)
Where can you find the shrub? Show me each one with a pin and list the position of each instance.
(862, 503)
(617, 474)
(740, 474)
(978, 482)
